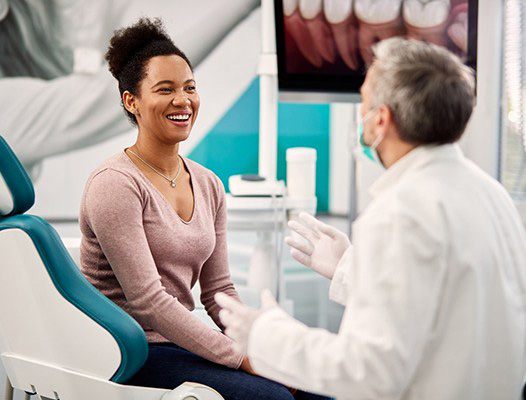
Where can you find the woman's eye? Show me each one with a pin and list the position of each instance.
(165, 90)
(190, 88)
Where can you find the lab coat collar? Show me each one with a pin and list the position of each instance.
(412, 160)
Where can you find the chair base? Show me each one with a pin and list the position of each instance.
(60, 384)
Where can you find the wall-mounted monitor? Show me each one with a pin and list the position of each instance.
(324, 46)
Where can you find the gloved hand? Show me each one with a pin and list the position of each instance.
(239, 318)
(323, 247)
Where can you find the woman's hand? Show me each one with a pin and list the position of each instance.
(245, 366)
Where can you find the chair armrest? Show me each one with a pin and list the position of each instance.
(54, 382)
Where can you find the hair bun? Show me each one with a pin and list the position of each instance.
(127, 42)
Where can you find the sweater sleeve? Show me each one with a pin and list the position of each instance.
(114, 206)
(215, 274)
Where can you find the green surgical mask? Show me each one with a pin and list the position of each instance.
(369, 151)
(366, 150)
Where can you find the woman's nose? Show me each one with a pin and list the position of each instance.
(180, 99)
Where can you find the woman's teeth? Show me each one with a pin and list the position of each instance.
(179, 117)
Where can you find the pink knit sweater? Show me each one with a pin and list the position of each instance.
(139, 253)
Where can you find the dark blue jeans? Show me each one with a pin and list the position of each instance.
(169, 365)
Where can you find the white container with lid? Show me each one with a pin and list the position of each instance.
(301, 172)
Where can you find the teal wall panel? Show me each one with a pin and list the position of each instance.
(231, 147)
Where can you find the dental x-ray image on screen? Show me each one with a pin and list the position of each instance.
(326, 45)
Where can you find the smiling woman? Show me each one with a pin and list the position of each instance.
(166, 101)
(154, 223)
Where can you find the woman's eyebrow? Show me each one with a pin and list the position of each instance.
(171, 82)
(162, 82)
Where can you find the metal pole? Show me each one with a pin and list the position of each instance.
(268, 95)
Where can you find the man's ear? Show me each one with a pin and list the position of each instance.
(130, 102)
(385, 119)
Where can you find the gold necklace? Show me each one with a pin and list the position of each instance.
(172, 181)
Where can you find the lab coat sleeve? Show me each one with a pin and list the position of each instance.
(339, 289)
(394, 289)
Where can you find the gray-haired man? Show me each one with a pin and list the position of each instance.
(435, 282)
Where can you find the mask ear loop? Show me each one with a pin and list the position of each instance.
(379, 138)
(376, 142)
(353, 138)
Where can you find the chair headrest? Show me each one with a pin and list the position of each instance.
(17, 194)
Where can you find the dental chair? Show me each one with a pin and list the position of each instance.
(60, 338)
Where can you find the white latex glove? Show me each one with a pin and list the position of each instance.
(322, 248)
(239, 318)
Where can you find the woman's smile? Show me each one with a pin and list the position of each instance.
(180, 118)
(168, 103)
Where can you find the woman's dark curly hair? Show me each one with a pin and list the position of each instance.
(130, 50)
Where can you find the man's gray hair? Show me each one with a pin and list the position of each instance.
(430, 92)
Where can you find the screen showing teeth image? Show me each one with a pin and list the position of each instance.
(336, 36)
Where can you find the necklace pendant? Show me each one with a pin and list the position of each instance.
(172, 184)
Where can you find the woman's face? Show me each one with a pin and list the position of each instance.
(168, 103)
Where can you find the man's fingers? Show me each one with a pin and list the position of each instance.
(303, 230)
(237, 347)
(328, 230)
(317, 225)
(308, 219)
(300, 257)
(230, 333)
(320, 226)
(304, 247)
(228, 303)
(226, 317)
(267, 300)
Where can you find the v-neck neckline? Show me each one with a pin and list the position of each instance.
(164, 199)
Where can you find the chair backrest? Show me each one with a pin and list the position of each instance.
(49, 312)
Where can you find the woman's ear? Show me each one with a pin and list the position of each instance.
(130, 102)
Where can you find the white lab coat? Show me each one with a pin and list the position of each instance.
(435, 294)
